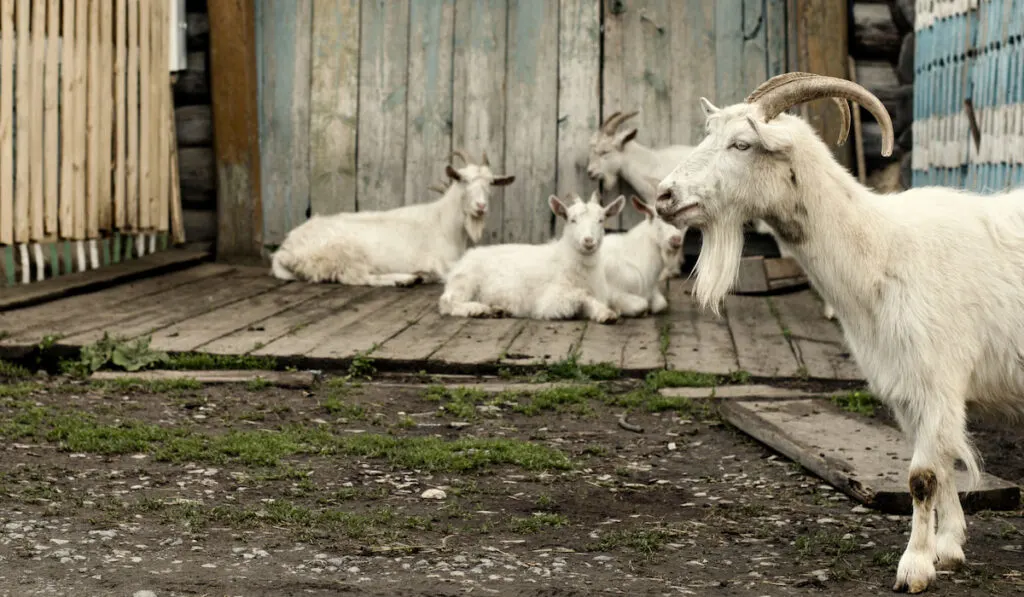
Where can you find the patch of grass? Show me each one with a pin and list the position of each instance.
(18, 390)
(557, 399)
(459, 402)
(361, 366)
(153, 386)
(648, 400)
(538, 522)
(128, 354)
(335, 405)
(257, 384)
(83, 433)
(671, 378)
(887, 558)
(644, 541)
(207, 362)
(825, 544)
(664, 339)
(859, 402)
(570, 368)
(13, 371)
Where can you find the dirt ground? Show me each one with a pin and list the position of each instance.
(250, 490)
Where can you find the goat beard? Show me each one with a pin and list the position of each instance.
(718, 265)
(474, 228)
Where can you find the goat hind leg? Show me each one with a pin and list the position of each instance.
(927, 476)
(952, 527)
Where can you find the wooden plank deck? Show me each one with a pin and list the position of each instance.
(224, 309)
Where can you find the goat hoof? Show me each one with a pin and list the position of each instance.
(916, 571)
(950, 556)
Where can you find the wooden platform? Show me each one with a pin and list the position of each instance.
(223, 309)
(859, 456)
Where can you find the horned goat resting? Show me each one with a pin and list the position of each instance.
(560, 279)
(926, 283)
(397, 247)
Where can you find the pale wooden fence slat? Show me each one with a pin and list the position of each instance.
(69, 156)
(579, 94)
(7, 122)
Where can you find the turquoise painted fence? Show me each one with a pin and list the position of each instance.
(362, 101)
(969, 51)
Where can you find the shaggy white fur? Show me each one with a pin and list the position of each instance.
(637, 261)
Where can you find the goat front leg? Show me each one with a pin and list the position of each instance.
(952, 531)
(658, 302)
(403, 280)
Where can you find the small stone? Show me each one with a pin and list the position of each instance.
(145, 593)
(434, 494)
(671, 446)
(859, 510)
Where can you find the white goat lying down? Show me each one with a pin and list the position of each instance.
(397, 247)
(560, 279)
(614, 154)
(932, 307)
(637, 261)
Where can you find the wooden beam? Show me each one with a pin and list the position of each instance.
(818, 43)
(233, 86)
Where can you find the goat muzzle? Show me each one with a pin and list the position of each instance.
(781, 92)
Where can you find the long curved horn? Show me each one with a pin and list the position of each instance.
(607, 121)
(457, 153)
(800, 89)
(485, 161)
(615, 123)
(787, 78)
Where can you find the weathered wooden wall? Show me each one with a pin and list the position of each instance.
(361, 101)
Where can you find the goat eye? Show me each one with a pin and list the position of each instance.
(740, 145)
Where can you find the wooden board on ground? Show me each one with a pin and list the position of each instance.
(29, 294)
(643, 344)
(543, 342)
(87, 311)
(283, 379)
(366, 333)
(760, 274)
(480, 341)
(861, 457)
(192, 333)
(300, 341)
(173, 307)
(818, 342)
(761, 348)
(419, 341)
(602, 343)
(263, 332)
(697, 341)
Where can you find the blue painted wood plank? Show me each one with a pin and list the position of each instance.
(284, 34)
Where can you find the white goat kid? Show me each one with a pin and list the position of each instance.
(637, 261)
(397, 247)
(560, 279)
(926, 353)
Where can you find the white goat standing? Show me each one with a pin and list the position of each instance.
(560, 279)
(928, 283)
(614, 154)
(397, 247)
(637, 261)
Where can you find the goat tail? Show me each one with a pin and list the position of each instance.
(968, 453)
(278, 269)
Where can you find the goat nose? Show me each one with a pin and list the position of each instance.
(588, 241)
(675, 242)
(664, 196)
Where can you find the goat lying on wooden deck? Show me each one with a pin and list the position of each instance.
(928, 283)
(396, 247)
(560, 279)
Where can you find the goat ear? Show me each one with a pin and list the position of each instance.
(770, 137)
(615, 207)
(452, 173)
(557, 207)
(641, 207)
(500, 181)
(708, 107)
(626, 137)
